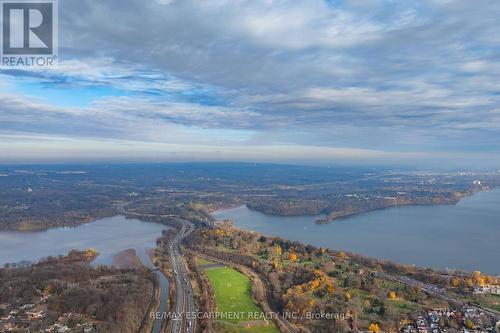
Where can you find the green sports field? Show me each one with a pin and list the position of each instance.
(233, 295)
(232, 292)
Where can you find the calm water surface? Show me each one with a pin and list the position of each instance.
(164, 290)
(464, 236)
(108, 236)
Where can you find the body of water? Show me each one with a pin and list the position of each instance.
(108, 236)
(164, 290)
(464, 236)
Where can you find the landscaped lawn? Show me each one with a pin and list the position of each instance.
(232, 292)
(233, 295)
(404, 305)
(203, 261)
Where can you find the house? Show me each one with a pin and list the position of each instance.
(487, 289)
(27, 306)
(33, 315)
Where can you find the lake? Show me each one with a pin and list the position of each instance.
(108, 236)
(462, 236)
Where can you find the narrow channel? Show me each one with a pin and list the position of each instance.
(164, 289)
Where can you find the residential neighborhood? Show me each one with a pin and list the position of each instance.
(19, 317)
(442, 320)
(487, 289)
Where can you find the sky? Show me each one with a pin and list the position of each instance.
(316, 82)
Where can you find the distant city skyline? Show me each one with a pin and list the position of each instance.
(316, 82)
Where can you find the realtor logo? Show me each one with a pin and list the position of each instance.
(29, 33)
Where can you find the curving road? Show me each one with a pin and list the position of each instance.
(184, 307)
(184, 299)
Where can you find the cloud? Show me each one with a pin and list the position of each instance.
(369, 75)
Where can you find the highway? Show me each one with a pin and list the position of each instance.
(184, 299)
(436, 291)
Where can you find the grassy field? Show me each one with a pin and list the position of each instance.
(226, 327)
(489, 301)
(233, 295)
(203, 261)
(232, 291)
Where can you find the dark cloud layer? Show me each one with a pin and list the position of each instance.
(394, 76)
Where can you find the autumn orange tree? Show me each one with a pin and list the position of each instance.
(343, 256)
(277, 250)
(330, 288)
(374, 328)
(478, 278)
(455, 282)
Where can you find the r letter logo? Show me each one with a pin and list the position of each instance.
(29, 33)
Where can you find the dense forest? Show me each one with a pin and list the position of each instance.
(71, 293)
(341, 205)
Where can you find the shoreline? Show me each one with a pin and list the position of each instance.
(347, 215)
(102, 234)
(23, 228)
(318, 218)
(76, 224)
(443, 267)
(445, 271)
(224, 208)
(42, 228)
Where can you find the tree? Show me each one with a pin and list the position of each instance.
(374, 328)
(277, 250)
(381, 310)
(478, 278)
(329, 288)
(442, 322)
(49, 289)
(315, 284)
(455, 283)
(488, 279)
